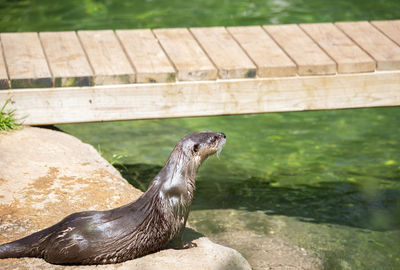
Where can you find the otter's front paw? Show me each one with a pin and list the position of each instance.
(189, 245)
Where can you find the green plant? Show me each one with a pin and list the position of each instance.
(8, 119)
(115, 160)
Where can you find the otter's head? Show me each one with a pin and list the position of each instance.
(175, 183)
(200, 145)
(181, 168)
(178, 175)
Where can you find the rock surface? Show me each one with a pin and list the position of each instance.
(46, 175)
(264, 252)
(256, 236)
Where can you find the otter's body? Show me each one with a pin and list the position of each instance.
(143, 226)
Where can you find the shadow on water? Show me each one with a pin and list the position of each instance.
(335, 202)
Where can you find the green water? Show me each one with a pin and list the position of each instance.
(327, 181)
(56, 15)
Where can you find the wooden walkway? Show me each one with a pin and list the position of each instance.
(65, 77)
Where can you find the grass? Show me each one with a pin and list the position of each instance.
(8, 119)
(115, 160)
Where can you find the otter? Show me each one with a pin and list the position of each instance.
(156, 219)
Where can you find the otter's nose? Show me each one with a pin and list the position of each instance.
(222, 135)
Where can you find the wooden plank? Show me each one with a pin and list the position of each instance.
(385, 52)
(348, 56)
(231, 61)
(4, 82)
(26, 63)
(390, 29)
(141, 101)
(269, 58)
(147, 56)
(190, 61)
(67, 59)
(310, 59)
(107, 58)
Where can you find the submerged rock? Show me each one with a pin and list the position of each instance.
(254, 235)
(264, 252)
(46, 175)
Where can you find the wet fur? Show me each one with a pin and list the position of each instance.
(143, 226)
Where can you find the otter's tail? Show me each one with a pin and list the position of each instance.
(13, 250)
(28, 246)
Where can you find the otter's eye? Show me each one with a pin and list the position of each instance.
(196, 147)
(213, 139)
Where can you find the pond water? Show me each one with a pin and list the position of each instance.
(56, 15)
(326, 181)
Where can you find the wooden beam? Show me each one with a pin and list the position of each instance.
(348, 56)
(271, 61)
(67, 60)
(4, 82)
(147, 56)
(231, 61)
(310, 59)
(390, 28)
(190, 61)
(26, 63)
(108, 60)
(241, 96)
(380, 47)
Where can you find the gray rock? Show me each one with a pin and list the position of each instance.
(46, 175)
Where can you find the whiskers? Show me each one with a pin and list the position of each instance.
(221, 145)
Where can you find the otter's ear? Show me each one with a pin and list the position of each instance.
(196, 147)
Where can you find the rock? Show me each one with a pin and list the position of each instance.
(264, 252)
(254, 235)
(46, 175)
